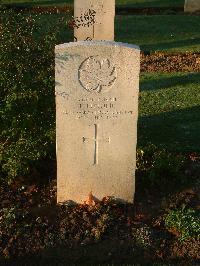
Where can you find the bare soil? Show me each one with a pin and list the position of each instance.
(163, 62)
(38, 232)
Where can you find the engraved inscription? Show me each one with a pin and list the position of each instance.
(62, 94)
(97, 109)
(97, 74)
(96, 140)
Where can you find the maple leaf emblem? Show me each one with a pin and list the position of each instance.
(95, 74)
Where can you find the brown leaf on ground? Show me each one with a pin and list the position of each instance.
(91, 201)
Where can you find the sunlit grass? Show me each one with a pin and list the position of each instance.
(169, 110)
(167, 32)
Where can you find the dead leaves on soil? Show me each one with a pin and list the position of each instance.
(163, 62)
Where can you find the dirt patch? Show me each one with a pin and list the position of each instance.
(103, 232)
(190, 248)
(162, 62)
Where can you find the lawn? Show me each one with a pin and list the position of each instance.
(150, 3)
(166, 32)
(129, 3)
(169, 111)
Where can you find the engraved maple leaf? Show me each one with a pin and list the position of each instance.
(94, 74)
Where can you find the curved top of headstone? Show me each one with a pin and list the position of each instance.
(97, 43)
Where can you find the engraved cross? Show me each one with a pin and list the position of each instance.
(96, 143)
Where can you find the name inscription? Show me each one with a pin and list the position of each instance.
(96, 108)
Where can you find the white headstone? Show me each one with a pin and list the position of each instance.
(97, 86)
(94, 20)
(192, 5)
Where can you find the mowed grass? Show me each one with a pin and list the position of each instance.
(169, 104)
(128, 3)
(169, 111)
(167, 32)
(152, 33)
(150, 3)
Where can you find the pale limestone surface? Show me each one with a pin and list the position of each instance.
(94, 20)
(97, 86)
(192, 5)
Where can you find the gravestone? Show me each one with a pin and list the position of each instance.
(192, 5)
(97, 87)
(94, 20)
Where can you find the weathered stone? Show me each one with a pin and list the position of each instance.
(97, 87)
(192, 5)
(94, 20)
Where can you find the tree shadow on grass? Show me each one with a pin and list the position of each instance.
(170, 45)
(180, 79)
(40, 3)
(154, 3)
(64, 2)
(177, 131)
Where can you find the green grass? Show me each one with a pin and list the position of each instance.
(169, 103)
(150, 3)
(151, 33)
(169, 111)
(129, 3)
(166, 32)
